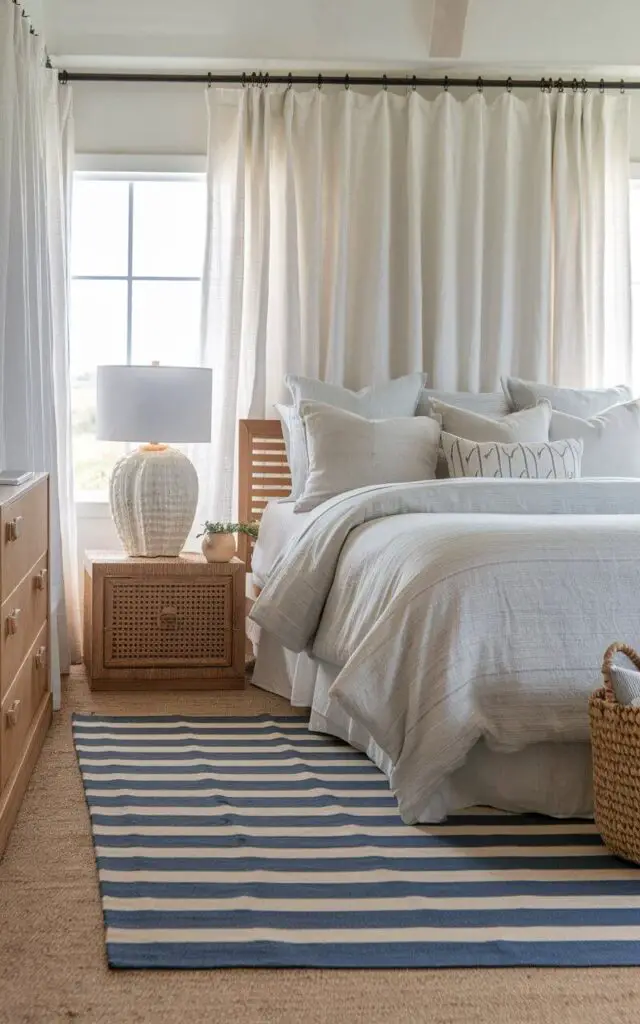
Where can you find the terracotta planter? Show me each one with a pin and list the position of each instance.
(218, 547)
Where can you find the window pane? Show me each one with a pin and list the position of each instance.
(166, 322)
(100, 228)
(168, 228)
(98, 324)
(98, 335)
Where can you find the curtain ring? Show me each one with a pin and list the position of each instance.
(622, 86)
(385, 85)
(208, 80)
(414, 83)
(347, 83)
(574, 85)
(265, 81)
(509, 84)
(244, 80)
(445, 84)
(602, 86)
(253, 78)
(543, 85)
(560, 85)
(479, 84)
(319, 82)
(289, 81)
(583, 86)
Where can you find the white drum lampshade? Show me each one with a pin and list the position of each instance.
(153, 491)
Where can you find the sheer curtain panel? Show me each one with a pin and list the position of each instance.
(358, 237)
(36, 144)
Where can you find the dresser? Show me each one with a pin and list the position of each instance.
(25, 697)
(163, 623)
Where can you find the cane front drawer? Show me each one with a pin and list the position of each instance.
(24, 529)
(170, 621)
(20, 704)
(21, 618)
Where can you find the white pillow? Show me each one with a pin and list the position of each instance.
(611, 440)
(537, 461)
(585, 402)
(397, 397)
(528, 425)
(486, 403)
(347, 451)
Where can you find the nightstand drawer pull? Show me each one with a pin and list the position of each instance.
(41, 580)
(14, 528)
(12, 621)
(13, 714)
(169, 618)
(40, 657)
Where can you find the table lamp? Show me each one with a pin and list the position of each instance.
(153, 491)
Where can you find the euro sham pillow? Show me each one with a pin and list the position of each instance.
(527, 425)
(611, 440)
(543, 460)
(393, 398)
(347, 451)
(583, 402)
(486, 403)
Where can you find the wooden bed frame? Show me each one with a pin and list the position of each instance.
(263, 474)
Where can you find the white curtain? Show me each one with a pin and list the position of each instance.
(358, 237)
(36, 145)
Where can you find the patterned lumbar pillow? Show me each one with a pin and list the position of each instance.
(544, 460)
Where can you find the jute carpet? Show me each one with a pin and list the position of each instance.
(52, 960)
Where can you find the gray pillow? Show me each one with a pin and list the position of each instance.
(347, 451)
(492, 404)
(392, 398)
(583, 402)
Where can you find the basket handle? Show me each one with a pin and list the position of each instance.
(607, 662)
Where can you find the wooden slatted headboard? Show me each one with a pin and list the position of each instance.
(263, 474)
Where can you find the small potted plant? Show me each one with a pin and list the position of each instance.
(219, 541)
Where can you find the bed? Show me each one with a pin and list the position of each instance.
(451, 629)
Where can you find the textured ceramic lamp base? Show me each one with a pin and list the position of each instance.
(153, 495)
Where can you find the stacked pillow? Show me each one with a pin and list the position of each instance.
(339, 440)
(606, 420)
(329, 453)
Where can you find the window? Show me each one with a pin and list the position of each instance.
(137, 250)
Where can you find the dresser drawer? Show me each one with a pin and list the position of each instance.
(20, 705)
(22, 616)
(23, 526)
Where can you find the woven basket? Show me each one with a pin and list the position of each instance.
(615, 744)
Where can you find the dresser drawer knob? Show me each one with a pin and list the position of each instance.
(13, 714)
(41, 579)
(12, 621)
(41, 657)
(14, 528)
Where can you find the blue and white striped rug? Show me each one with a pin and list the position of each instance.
(226, 842)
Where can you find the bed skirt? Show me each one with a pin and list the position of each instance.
(544, 778)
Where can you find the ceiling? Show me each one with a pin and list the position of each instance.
(534, 35)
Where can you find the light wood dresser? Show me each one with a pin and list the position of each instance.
(163, 623)
(25, 696)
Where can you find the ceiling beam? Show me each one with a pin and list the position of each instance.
(447, 33)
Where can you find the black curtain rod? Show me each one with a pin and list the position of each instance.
(408, 81)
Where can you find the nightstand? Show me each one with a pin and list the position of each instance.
(163, 623)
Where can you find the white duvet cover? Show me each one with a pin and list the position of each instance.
(461, 610)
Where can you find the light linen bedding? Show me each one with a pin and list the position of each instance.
(461, 610)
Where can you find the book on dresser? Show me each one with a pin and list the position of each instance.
(25, 693)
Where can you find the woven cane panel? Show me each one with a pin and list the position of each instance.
(164, 622)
